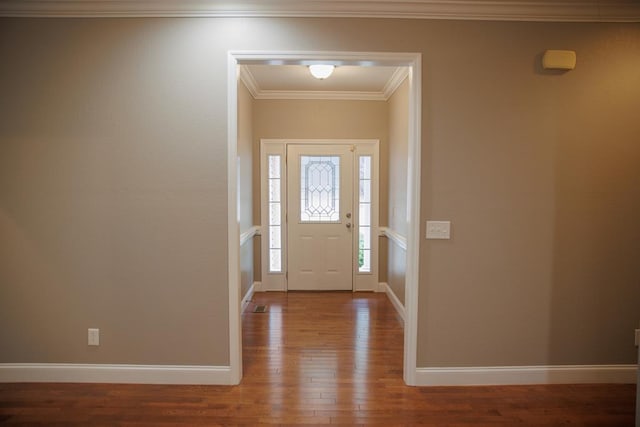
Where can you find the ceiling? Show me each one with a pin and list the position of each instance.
(346, 82)
(503, 10)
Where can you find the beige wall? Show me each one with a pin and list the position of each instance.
(112, 192)
(398, 166)
(245, 157)
(246, 266)
(398, 153)
(531, 167)
(245, 183)
(594, 298)
(113, 185)
(323, 119)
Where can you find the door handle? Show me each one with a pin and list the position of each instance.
(348, 225)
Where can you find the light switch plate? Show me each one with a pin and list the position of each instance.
(93, 336)
(438, 229)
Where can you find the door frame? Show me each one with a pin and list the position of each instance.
(279, 281)
(411, 60)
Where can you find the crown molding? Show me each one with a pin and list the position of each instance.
(395, 81)
(321, 95)
(390, 87)
(250, 83)
(501, 10)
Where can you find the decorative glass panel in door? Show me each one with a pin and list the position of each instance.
(319, 188)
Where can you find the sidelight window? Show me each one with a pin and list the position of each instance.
(275, 214)
(364, 215)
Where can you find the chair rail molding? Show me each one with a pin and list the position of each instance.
(248, 234)
(394, 236)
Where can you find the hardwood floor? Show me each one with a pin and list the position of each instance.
(318, 358)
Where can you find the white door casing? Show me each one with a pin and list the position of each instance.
(411, 60)
(320, 217)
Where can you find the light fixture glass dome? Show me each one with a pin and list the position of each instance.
(321, 71)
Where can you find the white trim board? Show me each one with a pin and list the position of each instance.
(99, 373)
(389, 89)
(491, 10)
(412, 272)
(395, 237)
(394, 299)
(414, 63)
(248, 234)
(520, 375)
(247, 298)
(233, 227)
(323, 95)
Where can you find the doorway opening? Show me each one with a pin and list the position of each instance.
(413, 63)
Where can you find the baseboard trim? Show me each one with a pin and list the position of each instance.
(507, 375)
(247, 297)
(99, 373)
(261, 287)
(394, 299)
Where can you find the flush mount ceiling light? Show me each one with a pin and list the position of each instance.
(321, 71)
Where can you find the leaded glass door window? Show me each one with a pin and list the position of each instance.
(319, 188)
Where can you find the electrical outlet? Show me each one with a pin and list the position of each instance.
(637, 337)
(94, 336)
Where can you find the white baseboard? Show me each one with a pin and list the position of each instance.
(248, 296)
(393, 298)
(261, 287)
(506, 375)
(94, 373)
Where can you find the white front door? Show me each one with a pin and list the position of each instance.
(320, 217)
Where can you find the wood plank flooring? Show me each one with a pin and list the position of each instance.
(318, 358)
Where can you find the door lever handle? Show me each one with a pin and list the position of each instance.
(348, 225)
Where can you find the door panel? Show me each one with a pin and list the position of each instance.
(319, 211)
